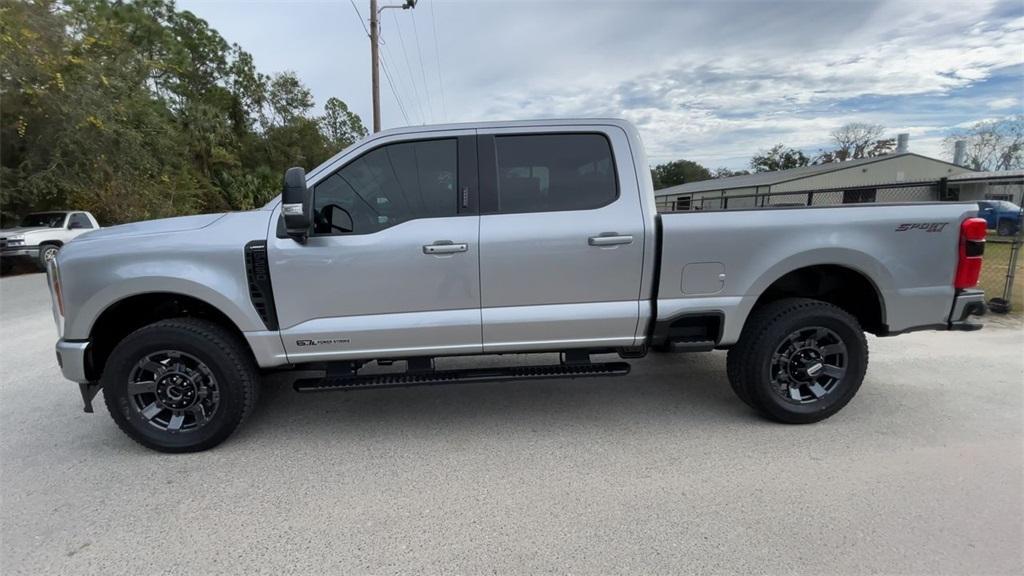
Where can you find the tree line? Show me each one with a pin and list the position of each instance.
(136, 110)
(996, 144)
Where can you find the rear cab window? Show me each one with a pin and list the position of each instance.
(554, 172)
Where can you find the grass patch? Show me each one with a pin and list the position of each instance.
(993, 273)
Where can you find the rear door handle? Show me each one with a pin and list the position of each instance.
(444, 247)
(610, 239)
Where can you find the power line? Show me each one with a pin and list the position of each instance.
(358, 14)
(423, 73)
(397, 77)
(391, 83)
(437, 55)
(412, 79)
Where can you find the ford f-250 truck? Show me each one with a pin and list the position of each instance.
(494, 238)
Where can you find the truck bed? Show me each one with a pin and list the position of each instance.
(720, 262)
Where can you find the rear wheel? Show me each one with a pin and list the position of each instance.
(180, 385)
(798, 360)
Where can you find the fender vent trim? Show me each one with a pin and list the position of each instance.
(261, 291)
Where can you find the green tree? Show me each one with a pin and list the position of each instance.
(137, 110)
(341, 126)
(779, 157)
(678, 172)
(723, 172)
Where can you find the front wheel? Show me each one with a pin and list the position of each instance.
(47, 252)
(798, 360)
(180, 385)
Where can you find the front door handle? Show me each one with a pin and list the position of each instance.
(444, 247)
(610, 239)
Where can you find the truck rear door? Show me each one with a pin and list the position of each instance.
(561, 238)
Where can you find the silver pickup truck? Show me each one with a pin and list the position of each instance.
(494, 238)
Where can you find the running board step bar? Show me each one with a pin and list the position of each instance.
(691, 345)
(403, 379)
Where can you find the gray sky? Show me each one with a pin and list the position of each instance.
(707, 81)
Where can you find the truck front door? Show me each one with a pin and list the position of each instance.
(561, 239)
(391, 267)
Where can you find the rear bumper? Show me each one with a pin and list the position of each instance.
(71, 356)
(967, 303)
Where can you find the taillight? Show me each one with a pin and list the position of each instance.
(972, 251)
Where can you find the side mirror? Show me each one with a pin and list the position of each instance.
(296, 204)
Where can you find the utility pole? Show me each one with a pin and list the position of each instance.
(375, 53)
(375, 62)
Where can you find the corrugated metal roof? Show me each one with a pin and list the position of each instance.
(769, 178)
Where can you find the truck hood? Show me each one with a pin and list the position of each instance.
(162, 226)
(12, 231)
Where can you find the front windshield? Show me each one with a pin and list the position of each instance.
(43, 220)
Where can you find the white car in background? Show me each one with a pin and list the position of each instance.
(40, 235)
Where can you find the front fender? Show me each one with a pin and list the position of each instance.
(89, 311)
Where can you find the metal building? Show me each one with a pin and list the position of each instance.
(849, 182)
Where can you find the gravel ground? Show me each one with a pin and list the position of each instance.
(663, 471)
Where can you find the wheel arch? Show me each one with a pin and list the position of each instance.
(125, 315)
(796, 277)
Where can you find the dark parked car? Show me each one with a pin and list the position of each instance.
(1002, 216)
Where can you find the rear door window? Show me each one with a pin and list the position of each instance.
(79, 221)
(554, 172)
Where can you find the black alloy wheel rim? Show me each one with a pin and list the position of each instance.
(173, 391)
(808, 365)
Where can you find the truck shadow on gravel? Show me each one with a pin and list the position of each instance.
(681, 389)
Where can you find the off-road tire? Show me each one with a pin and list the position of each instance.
(222, 352)
(749, 360)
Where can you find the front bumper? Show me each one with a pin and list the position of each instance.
(967, 303)
(72, 357)
(19, 252)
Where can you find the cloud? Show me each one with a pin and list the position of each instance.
(708, 81)
(1004, 103)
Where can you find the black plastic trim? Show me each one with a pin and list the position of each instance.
(487, 169)
(261, 291)
(662, 328)
(468, 177)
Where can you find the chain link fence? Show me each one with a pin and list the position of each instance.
(1002, 274)
(743, 200)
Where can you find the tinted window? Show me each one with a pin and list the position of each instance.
(552, 172)
(43, 219)
(79, 220)
(390, 185)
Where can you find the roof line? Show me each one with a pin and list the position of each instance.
(881, 158)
